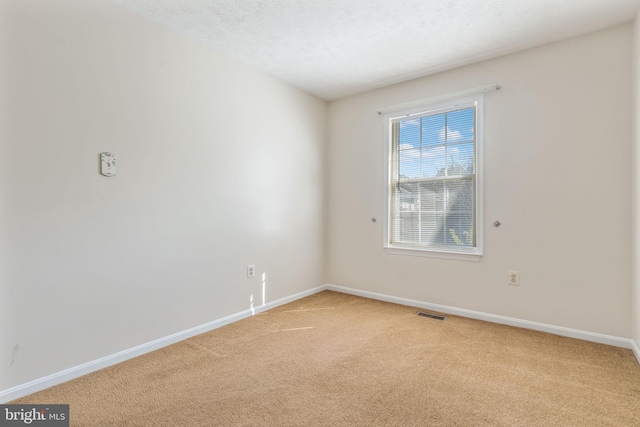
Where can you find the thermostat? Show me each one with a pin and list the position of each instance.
(107, 164)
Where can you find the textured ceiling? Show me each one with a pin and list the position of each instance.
(336, 48)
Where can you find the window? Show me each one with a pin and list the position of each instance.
(434, 198)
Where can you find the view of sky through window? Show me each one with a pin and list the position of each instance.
(437, 145)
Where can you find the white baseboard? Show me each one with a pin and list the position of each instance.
(557, 330)
(94, 365)
(86, 368)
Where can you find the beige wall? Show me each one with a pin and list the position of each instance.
(219, 166)
(636, 182)
(557, 176)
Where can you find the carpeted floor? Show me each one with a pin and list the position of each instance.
(338, 360)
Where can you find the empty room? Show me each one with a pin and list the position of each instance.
(320, 213)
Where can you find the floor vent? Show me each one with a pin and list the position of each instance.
(433, 316)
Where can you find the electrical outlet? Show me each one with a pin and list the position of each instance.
(513, 278)
(251, 271)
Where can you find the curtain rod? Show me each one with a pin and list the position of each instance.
(443, 97)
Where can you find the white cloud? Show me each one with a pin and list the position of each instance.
(410, 123)
(408, 153)
(452, 135)
(407, 147)
(433, 153)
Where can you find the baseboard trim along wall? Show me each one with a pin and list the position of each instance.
(557, 330)
(86, 368)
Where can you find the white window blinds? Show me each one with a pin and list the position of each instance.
(433, 179)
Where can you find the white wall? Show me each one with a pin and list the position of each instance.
(219, 166)
(557, 175)
(636, 183)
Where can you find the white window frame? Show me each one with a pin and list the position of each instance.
(417, 109)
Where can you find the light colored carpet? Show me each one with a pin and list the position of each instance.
(338, 360)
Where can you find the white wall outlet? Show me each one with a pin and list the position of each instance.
(251, 271)
(513, 278)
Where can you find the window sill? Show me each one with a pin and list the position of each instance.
(433, 254)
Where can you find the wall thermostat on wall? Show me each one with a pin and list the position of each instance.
(107, 164)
